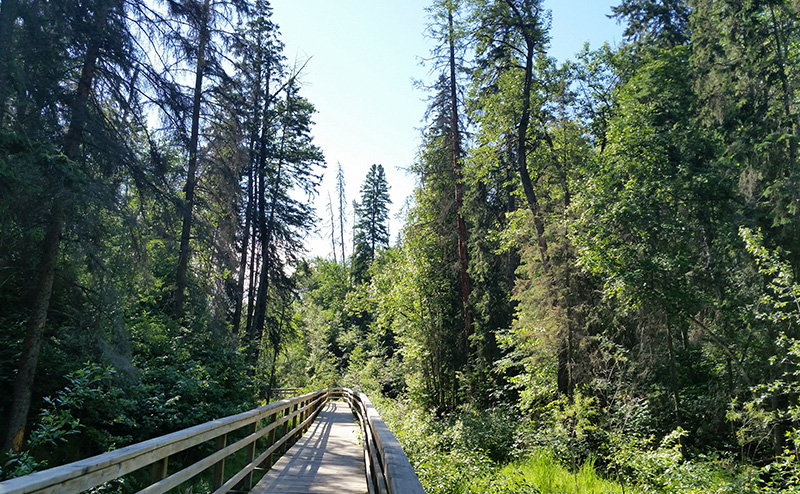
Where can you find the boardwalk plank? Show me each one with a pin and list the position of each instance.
(327, 459)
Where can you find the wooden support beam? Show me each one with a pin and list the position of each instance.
(219, 468)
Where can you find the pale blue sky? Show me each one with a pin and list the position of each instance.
(364, 55)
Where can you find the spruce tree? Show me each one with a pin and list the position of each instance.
(372, 221)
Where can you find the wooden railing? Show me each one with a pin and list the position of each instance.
(388, 468)
(281, 422)
(282, 392)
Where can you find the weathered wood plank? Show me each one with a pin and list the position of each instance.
(327, 459)
(396, 475)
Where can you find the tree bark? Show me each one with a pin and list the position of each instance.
(248, 219)
(463, 259)
(268, 225)
(522, 159)
(340, 193)
(8, 14)
(29, 359)
(333, 229)
(191, 168)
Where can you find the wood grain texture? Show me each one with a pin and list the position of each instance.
(327, 459)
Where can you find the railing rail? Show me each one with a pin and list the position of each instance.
(388, 468)
(291, 417)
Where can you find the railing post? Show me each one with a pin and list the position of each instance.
(160, 469)
(271, 438)
(251, 454)
(219, 467)
(295, 435)
(284, 430)
(303, 416)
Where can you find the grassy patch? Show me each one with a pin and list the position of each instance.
(540, 473)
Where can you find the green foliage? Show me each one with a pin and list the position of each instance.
(185, 378)
(773, 410)
(443, 452)
(617, 317)
(540, 473)
(371, 230)
(59, 418)
(666, 469)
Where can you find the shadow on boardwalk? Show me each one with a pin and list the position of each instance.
(327, 459)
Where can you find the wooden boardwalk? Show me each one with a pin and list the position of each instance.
(327, 459)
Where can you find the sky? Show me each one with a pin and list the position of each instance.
(362, 60)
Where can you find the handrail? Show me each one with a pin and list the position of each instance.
(296, 415)
(388, 468)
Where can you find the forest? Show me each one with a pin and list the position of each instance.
(594, 289)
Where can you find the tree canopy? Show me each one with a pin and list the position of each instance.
(598, 260)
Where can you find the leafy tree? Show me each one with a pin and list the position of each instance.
(419, 296)
(512, 37)
(655, 23)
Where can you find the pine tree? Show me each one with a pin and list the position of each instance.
(259, 80)
(288, 178)
(98, 36)
(371, 230)
(448, 59)
(199, 41)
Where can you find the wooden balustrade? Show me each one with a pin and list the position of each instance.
(388, 470)
(269, 420)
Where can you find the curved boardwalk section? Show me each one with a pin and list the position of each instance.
(327, 459)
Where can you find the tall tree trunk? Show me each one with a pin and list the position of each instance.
(259, 226)
(255, 266)
(340, 193)
(463, 260)
(259, 313)
(333, 229)
(522, 159)
(265, 233)
(191, 169)
(248, 219)
(29, 359)
(266, 240)
(8, 16)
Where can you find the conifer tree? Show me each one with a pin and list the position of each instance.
(198, 40)
(448, 59)
(100, 37)
(340, 183)
(371, 230)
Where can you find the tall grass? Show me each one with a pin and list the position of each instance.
(541, 473)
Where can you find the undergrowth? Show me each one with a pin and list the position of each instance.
(491, 452)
